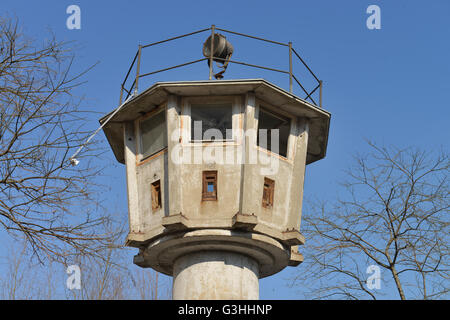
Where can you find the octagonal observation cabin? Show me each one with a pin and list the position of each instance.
(204, 193)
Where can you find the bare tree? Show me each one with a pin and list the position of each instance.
(394, 215)
(146, 284)
(12, 282)
(113, 278)
(43, 197)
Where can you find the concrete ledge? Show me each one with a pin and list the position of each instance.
(175, 222)
(296, 257)
(239, 222)
(293, 237)
(161, 254)
(138, 239)
(244, 221)
(289, 237)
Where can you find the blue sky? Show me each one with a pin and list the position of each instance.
(390, 85)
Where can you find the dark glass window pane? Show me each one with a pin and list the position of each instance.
(269, 121)
(153, 134)
(211, 116)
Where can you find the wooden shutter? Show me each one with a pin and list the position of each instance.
(268, 192)
(156, 195)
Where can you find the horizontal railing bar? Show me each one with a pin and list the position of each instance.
(304, 63)
(177, 66)
(174, 38)
(252, 65)
(131, 67)
(261, 67)
(253, 37)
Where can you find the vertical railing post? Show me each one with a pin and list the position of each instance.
(138, 66)
(290, 67)
(320, 93)
(121, 94)
(213, 27)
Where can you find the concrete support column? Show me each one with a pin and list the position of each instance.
(215, 275)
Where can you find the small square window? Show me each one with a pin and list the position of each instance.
(209, 191)
(268, 192)
(156, 195)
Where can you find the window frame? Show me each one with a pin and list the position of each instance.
(140, 159)
(236, 118)
(206, 175)
(267, 107)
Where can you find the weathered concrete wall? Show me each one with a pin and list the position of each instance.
(215, 275)
(132, 186)
(298, 174)
(227, 204)
(288, 176)
(174, 191)
(147, 173)
(208, 213)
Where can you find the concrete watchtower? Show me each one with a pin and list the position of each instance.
(215, 174)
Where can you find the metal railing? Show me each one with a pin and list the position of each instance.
(213, 28)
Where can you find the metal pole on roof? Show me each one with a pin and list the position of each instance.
(138, 66)
(121, 94)
(290, 67)
(213, 27)
(320, 99)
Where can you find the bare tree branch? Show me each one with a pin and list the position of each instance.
(42, 197)
(394, 215)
